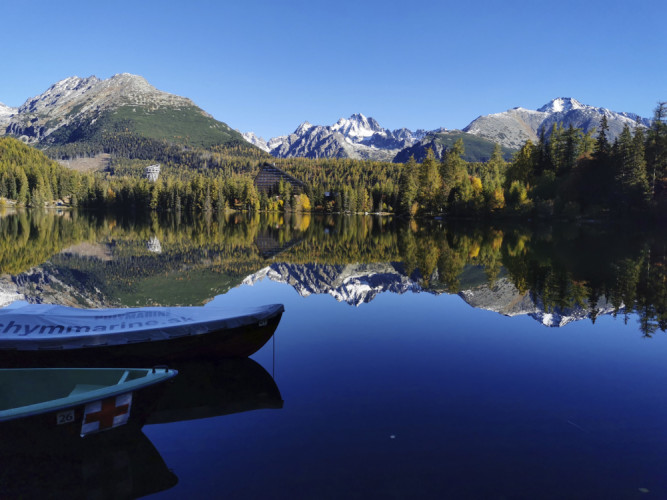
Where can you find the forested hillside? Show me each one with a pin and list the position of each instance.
(567, 173)
(29, 177)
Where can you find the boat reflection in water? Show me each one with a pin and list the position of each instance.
(99, 467)
(126, 464)
(212, 389)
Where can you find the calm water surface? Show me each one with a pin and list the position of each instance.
(413, 360)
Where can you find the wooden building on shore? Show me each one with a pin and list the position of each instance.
(269, 178)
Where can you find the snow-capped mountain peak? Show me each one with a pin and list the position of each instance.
(357, 127)
(252, 138)
(561, 105)
(355, 284)
(303, 128)
(6, 113)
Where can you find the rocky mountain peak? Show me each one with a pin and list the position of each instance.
(73, 83)
(303, 128)
(252, 138)
(82, 93)
(127, 84)
(61, 92)
(130, 79)
(561, 105)
(357, 126)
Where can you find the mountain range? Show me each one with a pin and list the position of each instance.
(355, 137)
(363, 138)
(90, 110)
(358, 284)
(514, 127)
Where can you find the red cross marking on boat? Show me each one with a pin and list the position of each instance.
(107, 413)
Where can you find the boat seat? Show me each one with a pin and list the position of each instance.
(124, 377)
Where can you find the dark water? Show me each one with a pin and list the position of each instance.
(413, 359)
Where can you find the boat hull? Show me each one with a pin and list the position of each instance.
(236, 342)
(62, 419)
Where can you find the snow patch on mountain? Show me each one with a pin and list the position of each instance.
(303, 128)
(561, 105)
(256, 141)
(559, 317)
(9, 292)
(5, 114)
(275, 142)
(6, 111)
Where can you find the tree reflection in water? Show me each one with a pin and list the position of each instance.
(92, 260)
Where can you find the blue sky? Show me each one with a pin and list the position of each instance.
(266, 66)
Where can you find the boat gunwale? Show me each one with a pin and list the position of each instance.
(151, 377)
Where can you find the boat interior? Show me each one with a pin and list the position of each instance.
(24, 387)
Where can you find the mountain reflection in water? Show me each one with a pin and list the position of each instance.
(553, 274)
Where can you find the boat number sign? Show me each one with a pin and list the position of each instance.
(65, 417)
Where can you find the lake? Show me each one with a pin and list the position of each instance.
(414, 358)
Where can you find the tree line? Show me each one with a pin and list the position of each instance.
(572, 173)
(565, 173)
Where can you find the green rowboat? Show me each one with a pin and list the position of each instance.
(76, 401)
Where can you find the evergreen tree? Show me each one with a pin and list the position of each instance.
(602, 147)
(429, 182)
(493, 170)
(540, 152)
(656, 148)
(408, 187)
(639, 173)
(570, 151)
(587, 145)
(492, 180)
(631, 184)
(556, 146)
(453, 169)
(523, 165)
(156, 190)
